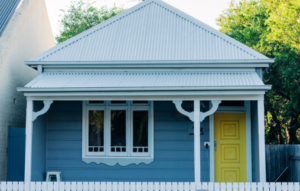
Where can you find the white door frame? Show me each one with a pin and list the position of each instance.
(221, 109)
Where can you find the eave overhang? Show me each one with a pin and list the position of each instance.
(157, 84)
(149, 89)
(148, 95)
(182, 93)
(236, 63)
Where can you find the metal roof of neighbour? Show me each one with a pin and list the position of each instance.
(7, 8)
(152, 31)
(93, 81)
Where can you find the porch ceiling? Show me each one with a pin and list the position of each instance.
(144, 81)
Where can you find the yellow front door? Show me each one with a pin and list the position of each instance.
(230, 148)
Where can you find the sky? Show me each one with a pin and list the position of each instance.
(205, 10)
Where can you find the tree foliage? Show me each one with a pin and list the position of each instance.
(284, 21)
(272, 28)
(81, 16)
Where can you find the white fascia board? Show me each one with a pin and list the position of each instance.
(144, 94)
(153, 64)
(147, 89)
(250, 69)
(189, 96)
(269, 61)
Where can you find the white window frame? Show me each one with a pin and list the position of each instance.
(113, 158)
(108, 103)
(95, 104)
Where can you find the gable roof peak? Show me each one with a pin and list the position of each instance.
(151, 30)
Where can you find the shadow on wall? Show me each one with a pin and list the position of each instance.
(16, 154)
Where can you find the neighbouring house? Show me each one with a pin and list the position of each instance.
(149, 95)
(24, 32)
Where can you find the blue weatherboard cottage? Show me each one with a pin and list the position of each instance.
(149, 95)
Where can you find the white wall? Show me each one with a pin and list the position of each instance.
(27, 34)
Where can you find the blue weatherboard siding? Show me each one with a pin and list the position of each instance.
(38, 166)
(60, 132)
(173, 148)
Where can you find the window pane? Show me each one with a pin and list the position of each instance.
(118, 102)
(140, 130)
(118, 131)
(140, 102)
(232, 103)
(96, 102)
(96, 131)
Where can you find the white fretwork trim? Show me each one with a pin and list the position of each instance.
(46, 107)
(178, 104)
(190, 115)
(215, 105)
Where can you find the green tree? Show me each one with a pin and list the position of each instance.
(81, 16)
(267, 26)
(284, 22)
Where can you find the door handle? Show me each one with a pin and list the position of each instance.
(215, 144)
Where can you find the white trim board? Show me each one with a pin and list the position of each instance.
(149, 97)
(135, 69)
(247, 110)
(152, 62)
(122, 158)
(148, 89)
(158, 65)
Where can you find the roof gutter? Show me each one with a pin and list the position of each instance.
(146, 95)
(153, 64)
(149, 89)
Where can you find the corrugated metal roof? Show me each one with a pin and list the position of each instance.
(7, 8)
(152, 30)
(144, 80)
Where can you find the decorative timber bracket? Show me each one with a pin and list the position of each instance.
(190, 115)
(46, 107)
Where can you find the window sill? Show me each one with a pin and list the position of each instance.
(122, 161)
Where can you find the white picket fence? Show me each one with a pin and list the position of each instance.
(145, 186)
